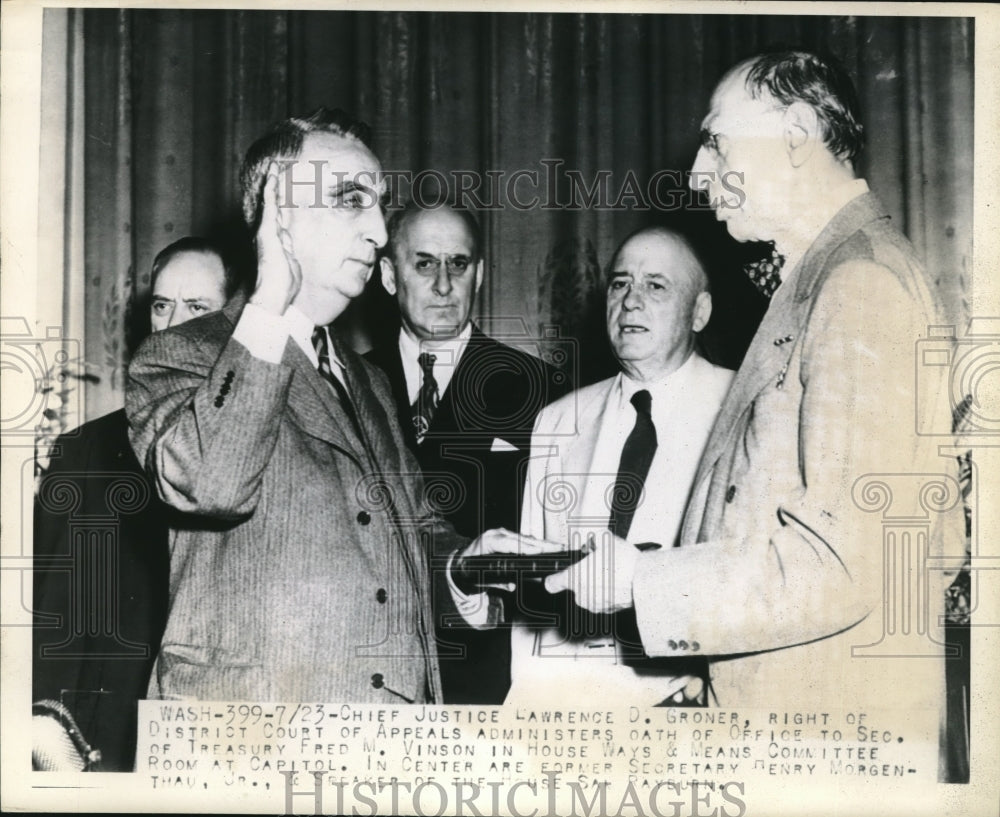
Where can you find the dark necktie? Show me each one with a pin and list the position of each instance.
(427, 398)
(637, 456)
(633, 467)
(766, 273)
(321, 345)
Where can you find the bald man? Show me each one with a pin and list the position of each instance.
(189, 279)
(467, 403)
(638, 434)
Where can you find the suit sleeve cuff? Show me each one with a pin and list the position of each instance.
(262, 333)
(661, 612)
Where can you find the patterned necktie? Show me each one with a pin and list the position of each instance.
(427, 399)
(321, 345)
(766, 273)
(637, 456)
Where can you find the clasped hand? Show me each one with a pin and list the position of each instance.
(601, 582)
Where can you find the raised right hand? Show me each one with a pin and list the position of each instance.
(279, 275)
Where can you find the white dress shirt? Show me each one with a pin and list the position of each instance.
(683, 408)
(447, 354)
(265, 336)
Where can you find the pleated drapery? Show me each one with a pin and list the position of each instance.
(172, 99)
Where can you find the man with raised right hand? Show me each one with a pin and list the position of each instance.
(303, 573)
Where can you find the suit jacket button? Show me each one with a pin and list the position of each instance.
(219, 401)
(672, 644)
(695, 645)
(381, 595)
(364, 517)
(730, 493)
(377, 681)
(682, 644)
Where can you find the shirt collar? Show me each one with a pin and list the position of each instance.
(300, 329)
(447, 351)
(660, 390)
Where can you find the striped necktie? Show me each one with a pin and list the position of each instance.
(321, 345)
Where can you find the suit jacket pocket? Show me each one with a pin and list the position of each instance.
(208, 673)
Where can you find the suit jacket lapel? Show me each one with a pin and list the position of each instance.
(781, 327)
(371, 415)
(314, 406)
(851, 218)
(761, 368)
(445, 419)
(580, 448)
(578, 455)
(390, 362)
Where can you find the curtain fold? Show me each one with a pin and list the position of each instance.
(109, 216)
(174, 98)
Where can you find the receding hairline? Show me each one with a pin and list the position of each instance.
(403, 221)
(180, 254)
(696, 269)
(736, 77)
(283, 142)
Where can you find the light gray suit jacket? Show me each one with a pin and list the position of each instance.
(790, 541)
(303, 574)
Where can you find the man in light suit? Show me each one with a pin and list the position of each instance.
(467, 417)
(304, 575)
(779, 574)
(661, 407)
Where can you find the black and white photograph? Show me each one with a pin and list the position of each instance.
(511, 409)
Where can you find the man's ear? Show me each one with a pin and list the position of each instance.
(388, 274)
(702, 311)
(479, 276)
(802, 132)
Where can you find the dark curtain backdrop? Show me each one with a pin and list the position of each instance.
(173, 99)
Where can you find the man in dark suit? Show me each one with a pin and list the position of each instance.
(305, 575)
(467, 404)
(99, 669)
